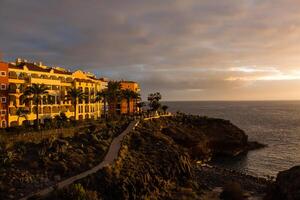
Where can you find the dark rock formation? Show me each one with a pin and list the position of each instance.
(286, 186)
(155, 161)
(255, 145)
(206, 137)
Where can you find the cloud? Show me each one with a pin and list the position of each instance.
(194, 48)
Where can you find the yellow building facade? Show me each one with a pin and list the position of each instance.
(23, 74)
(123, 106)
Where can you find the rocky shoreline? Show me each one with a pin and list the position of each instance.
(160, 159)
(216, 177)
(167, 158)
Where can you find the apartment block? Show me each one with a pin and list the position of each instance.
(16, 77)
(3, 94)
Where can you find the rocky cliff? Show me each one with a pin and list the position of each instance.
(205, 137)
(286, 186)
(156, 161)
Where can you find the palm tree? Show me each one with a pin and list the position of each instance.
(136, 97)
(74, 95)
(102, 96)
(114, 94)
(128, 95)
(35, 93)
(154, 99)
(22, 112)
(164, 108)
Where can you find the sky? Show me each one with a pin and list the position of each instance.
(185, 49)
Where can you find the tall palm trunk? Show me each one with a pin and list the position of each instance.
(135, 105)
(128, 106)
(37, 115)
(75, 108)
(105, 101)
(114, 107)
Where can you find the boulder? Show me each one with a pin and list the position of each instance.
(286, 186)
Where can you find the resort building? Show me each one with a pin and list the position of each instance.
(15, 77)
(3, 94)
(122, 108)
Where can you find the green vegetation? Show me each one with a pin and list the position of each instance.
(158, 161)
(154, 99)
(103, 96)
(60, 120)
(27, 166)
(75, 192)
(164, 108)
(155, 105)
(34, 93)
(232, 191)
(75, 95)
(136, 97)
(22, 112)
(114, 95)
(150, 166)
(130, 95)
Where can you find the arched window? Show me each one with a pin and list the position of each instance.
(3, 124)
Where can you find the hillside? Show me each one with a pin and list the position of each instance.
(159, 160)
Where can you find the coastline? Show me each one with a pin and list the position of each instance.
(216, 177)
(158, 160)
(272, 123)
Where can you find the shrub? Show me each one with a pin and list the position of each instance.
(74, 192)
(6, 156)
(61, 120)
(48, 123)
(232, 191)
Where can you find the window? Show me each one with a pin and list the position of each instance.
(3, 99)
(3, 86)
(3, 124)
(3, 112)
(80, 108)
(2, 73)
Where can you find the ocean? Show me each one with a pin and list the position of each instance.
(275, 123)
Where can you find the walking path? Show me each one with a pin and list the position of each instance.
(158, 116)
(111, 155)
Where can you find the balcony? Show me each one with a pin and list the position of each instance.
(69, 80)
(43, 81)
(14, 91)
(12, 75)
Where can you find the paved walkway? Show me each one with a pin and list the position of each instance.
(156, 117)
(111, 155)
